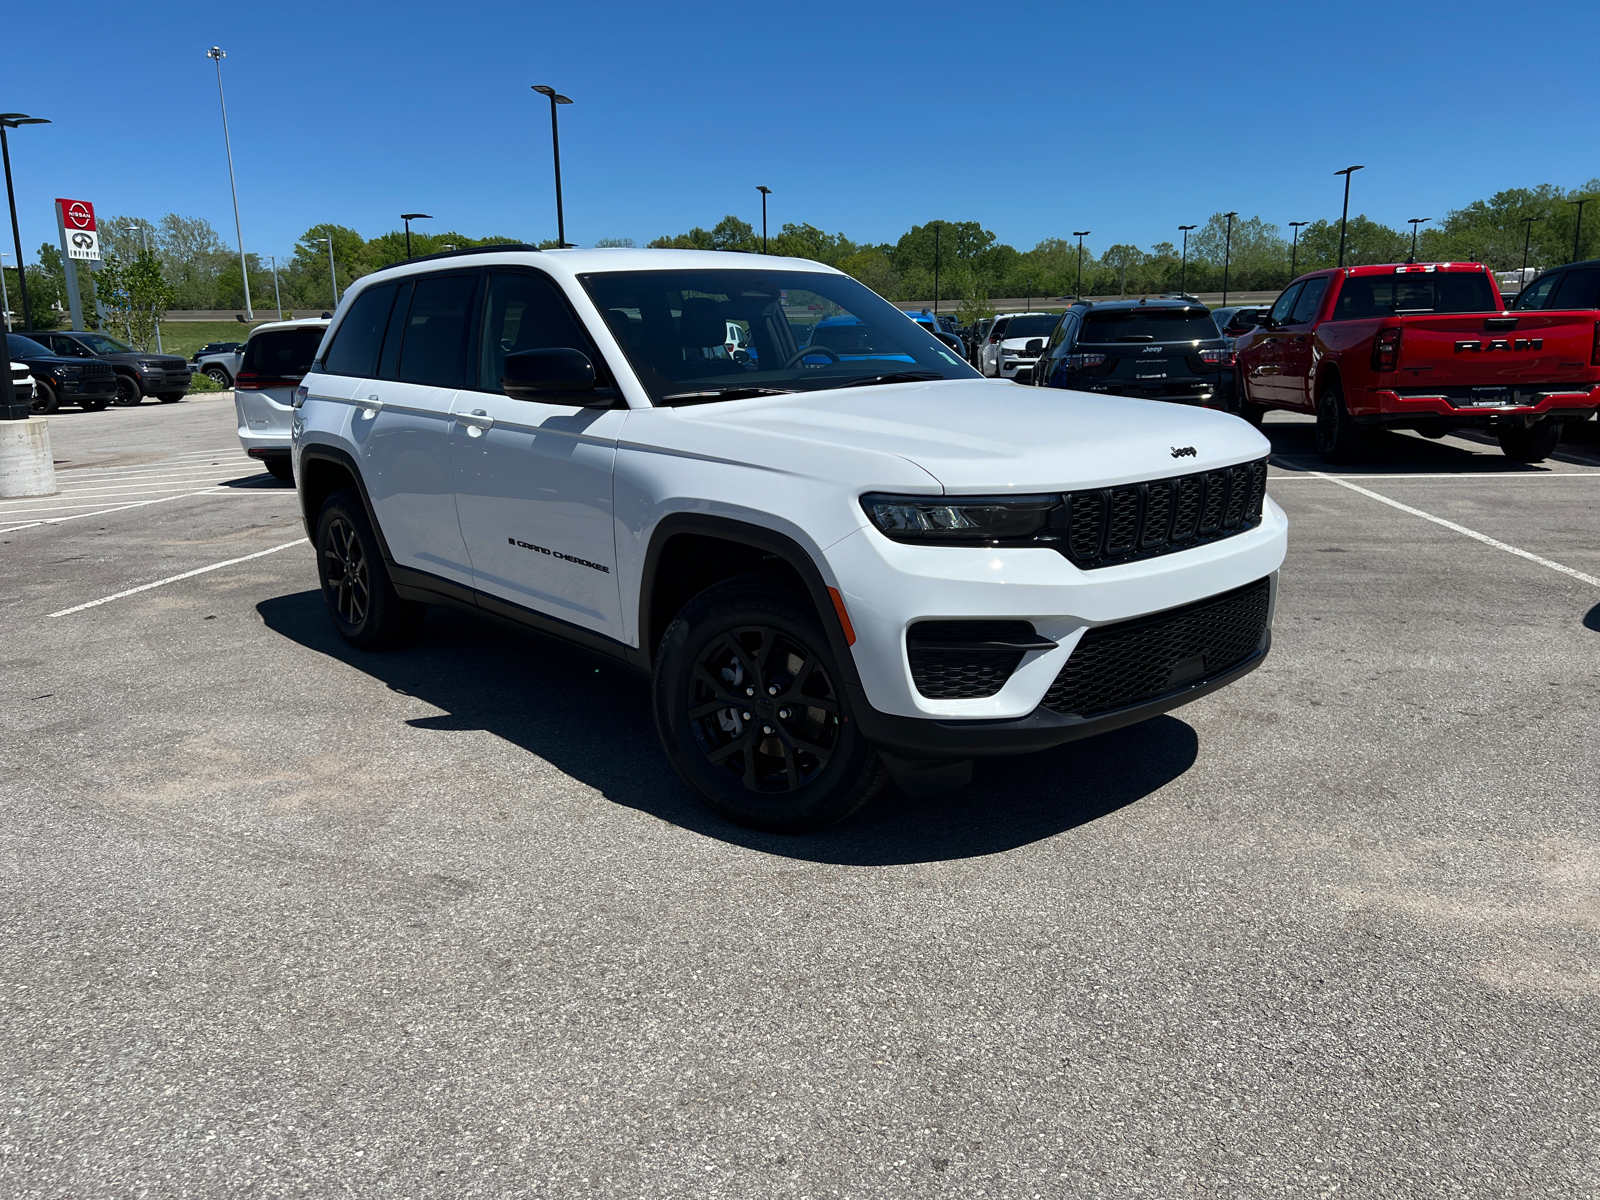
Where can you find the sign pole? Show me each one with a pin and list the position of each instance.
(70, 266)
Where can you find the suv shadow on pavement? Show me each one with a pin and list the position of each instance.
(601, 733)
(1391, 452)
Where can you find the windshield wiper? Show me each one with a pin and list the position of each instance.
(727, 393)
(894, 377)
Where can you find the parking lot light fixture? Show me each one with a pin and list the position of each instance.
(333, 272)
(1183, 269)
(1527, 233)
(5, 297)
(277, 296)
(1294, 248)
(216, 54)
(1080, 234)
(1577, 234)
(1344, 217)
(144, 241)
(16, 121)
(555, 144)
(765, 192)
(408, 218)
(1415, 221)
(1227, 257)
(938, 227)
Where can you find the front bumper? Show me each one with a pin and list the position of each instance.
(164, 381)
(1013, 366)
(93, 388)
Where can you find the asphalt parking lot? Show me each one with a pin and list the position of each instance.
(283, 918)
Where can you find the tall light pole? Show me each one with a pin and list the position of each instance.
(1183, 270)
(1415, 221)
(1577, 234)
(277, 296)
(16, 121)
(938, 228)
(555, 143)
(216, 54)
(144, 242)
(1227, 257)
(765, 192)
(333, 272)
(5, 299)
(1345, 216)
(1080, 234)
(1527, 233)
(408, 218)
(1294, 248)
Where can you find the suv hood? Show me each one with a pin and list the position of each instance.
(981, 436)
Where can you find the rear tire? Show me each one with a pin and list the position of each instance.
(44, 400)
(218, 376)
(1242, 407)
(1338, 440)
(281, 468)
(129, 393)
(751, 710)
(1533, 444)
(355, 583)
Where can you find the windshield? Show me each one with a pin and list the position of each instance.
(1415, 291)
(803, 331)
(1031, 327)
(21, 347)
(1149, 325)
(101, 344)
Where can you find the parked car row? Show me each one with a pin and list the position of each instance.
(93, 370)
(1430, 347)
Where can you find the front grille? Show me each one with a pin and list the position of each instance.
(1133, 662)
(946, 666)
(97, 371)
(1108, 526)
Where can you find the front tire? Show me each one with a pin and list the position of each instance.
(45, 401)
(1242, 406)
(751, 709)
(219, 377)
(1338, 440)
(1530, 444)
(169, 397)
(129, 393)
(355, 584)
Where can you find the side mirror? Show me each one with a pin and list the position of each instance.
(550, 375)
(1034, 346)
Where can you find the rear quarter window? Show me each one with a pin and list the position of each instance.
(1580, 288)
(1365, 296)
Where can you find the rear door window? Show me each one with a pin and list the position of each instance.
(434, 344)
(1580, 288)
(1309, 301)
(355, 345)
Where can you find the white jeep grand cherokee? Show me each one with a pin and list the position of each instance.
(838, 562)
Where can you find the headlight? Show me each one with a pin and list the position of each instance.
(970, 521)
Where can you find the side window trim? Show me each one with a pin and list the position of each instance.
(1286, 302)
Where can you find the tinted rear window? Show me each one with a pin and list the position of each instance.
(282, 351)
(1148, 325)
(1437, 291)
(1031, 327)
(21, 347)
(434, 350)
(1580, 289)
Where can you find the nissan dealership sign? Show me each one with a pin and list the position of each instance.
(81, 237)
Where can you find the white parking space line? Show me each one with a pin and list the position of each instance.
(1475, 476)
(1461, 529)
(145, 587)
(101, 512)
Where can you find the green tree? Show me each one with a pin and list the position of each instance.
(134, 294)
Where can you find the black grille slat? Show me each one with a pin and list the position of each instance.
(1111, 525)
(1134, 662)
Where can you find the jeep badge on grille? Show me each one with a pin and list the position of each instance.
(1183, 452)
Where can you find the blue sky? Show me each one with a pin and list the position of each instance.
(1126, 119)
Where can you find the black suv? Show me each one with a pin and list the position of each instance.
(1153, 349)
(165, 376)
(89, 384)
(1575, 285)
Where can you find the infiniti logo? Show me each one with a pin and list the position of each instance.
(1183, 452)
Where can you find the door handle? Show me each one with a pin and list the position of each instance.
(370, 406)
(1299, 337)
(476, 421)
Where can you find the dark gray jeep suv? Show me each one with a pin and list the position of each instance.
(165, 376)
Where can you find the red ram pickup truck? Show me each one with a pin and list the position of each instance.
(1424, 346)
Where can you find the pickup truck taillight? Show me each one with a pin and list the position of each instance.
(1217, 358)
(1386, 349)
(1594, 349)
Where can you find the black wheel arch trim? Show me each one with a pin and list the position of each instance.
(321, 452)
(758, 537)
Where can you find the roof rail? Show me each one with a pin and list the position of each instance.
(496, 249)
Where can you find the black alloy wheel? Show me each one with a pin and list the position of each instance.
(129, 393)
(751, 711)
(44, 400)
(356, 587)
(1337, 437)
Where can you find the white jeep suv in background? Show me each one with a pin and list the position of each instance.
(271, 364)
(1015, 342)
(837, 564)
